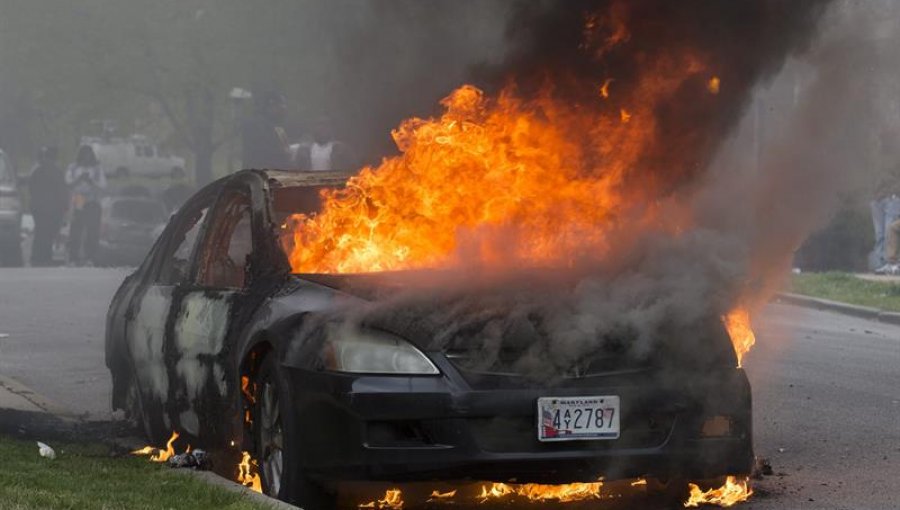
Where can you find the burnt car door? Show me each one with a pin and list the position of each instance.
(147, 315)
(204, 312)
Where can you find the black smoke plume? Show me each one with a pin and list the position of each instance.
(660, 295)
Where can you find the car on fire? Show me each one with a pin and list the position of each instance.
(214, 336)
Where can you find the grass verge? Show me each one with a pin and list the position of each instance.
(86, 477)
(847, 288)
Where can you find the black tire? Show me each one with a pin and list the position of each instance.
(135, 413)
(274, 427)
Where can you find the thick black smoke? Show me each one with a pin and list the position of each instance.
(578, 44)
(660, 294)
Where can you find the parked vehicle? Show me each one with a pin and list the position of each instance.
(10, 215)
(128, 228)
(215, 337)
(133, 156)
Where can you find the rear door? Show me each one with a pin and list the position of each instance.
(204, 311)
(147, 324)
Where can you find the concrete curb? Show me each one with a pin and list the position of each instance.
(23, 398)
(862, 312)
(214, 479)
(24, 413)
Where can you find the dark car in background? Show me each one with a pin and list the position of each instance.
(10, 215)
(129, 226)
(215, 337)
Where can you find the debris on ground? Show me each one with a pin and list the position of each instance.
(45, 451)
(762, 467)
(196, 459)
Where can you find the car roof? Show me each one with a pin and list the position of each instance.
(126, 198)
(289, 179)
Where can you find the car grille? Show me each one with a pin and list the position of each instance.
(519, 434)
(472, 366)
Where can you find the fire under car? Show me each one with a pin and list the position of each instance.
(216, 337)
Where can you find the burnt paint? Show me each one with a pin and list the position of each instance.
(203, 384)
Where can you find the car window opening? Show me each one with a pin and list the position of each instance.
(176, 265)
(225, 258)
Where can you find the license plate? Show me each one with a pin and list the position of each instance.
(578, 418)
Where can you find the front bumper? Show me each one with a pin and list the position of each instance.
(442, 428)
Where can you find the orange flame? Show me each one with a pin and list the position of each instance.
(496, 182)
(392, 500)
(713, 85)
(737, 322)
(564, 493)
(730, 494)
(160, 455)
(437, 496)
(248, 473)
(245, 389)
(604, 89)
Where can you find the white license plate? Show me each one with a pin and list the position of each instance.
(578, 418)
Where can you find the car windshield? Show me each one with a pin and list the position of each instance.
(137, 211)
(290, 201)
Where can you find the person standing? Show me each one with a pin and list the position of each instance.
(891, 249)
(264, 141)
(325, 152)
(49, 199)
(87, 183)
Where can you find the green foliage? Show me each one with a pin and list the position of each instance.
(843, 245)
(85, 477)
(848, 288)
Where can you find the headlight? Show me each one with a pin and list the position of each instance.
(349, 349)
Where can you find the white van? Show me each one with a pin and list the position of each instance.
(133, 156)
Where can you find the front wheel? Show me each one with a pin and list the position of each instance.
(276, 443)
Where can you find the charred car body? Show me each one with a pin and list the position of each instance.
(214, 336)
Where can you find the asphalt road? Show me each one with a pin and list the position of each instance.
(826, 386)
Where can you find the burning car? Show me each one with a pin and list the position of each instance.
(216, 336)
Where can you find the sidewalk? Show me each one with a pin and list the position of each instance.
(883, 278)
(863, 312)
(24, 413)
(17, 397)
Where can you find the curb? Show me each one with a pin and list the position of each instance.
(863, 312)
(41, 403)
(37, 417)
(214, 479)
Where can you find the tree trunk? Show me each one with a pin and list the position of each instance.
(201, 113)
(203, 165)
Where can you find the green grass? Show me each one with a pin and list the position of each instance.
(849, 289)
(85, 476)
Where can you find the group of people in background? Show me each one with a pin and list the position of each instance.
(76, 192)
(886, 219)
(266, 144)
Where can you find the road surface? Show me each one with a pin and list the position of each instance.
(826, 386)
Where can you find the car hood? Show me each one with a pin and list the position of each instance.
(514, 324)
